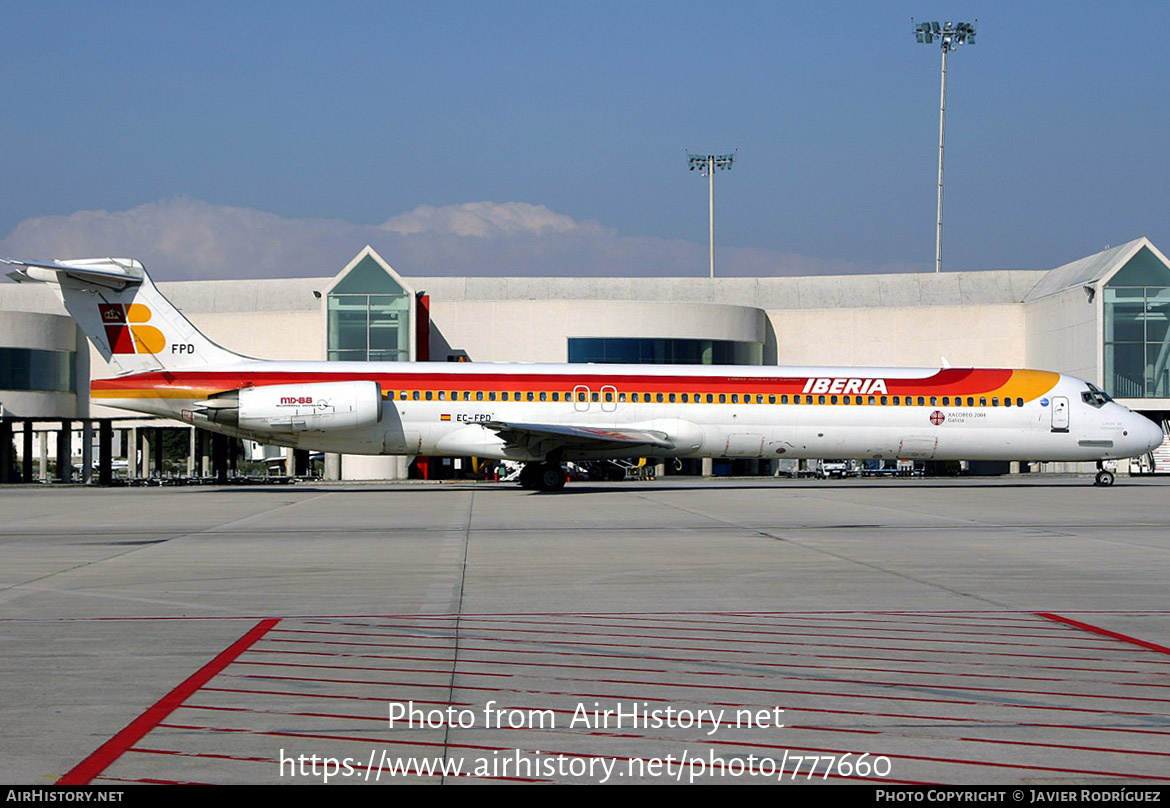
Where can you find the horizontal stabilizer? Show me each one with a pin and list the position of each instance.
(110, 273)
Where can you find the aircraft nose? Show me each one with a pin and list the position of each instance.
(1147, 433)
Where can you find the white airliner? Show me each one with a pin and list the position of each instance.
(543, 414)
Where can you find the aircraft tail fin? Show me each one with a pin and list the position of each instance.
(124, 315)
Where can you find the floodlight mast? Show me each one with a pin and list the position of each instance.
(950, 35)
(706, 164)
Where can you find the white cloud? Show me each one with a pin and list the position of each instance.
(184, 238)
(490, 219)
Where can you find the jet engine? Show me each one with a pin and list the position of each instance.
(310, 407)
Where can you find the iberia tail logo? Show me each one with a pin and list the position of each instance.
(127, 329)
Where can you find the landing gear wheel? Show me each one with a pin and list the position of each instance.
(552, 477)
(1104, 478)
(530, 476)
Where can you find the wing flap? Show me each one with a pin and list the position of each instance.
(579, 437)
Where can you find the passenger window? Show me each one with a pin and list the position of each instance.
(897, 401)
(672, 398)
(492, 395)
(504, 395)
(414, 394)
(845, 399)
(658, 398)
(1007, 402)
(723, 398)
(970, 401)
(946, 401)
(735, 398)
(594, 396)
(430, 395)
(543, 396)
(833, 399)
(871, 400)
(621, 396)
(1019, 402)
(820, 399)
(884, 401)
(402, 395)
(710, 398)
(982, 401)
(934, 401)
(921, 401)
(772, 398)
(684, 398)
(995, 402)
(532, 396)
(609, 396)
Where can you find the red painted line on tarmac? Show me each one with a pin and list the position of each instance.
(1071, 747)
(644, 697)
(253, 692)
(144, 750)
(465, 671)
(111, 750)
(863, 617)
(154, 781)
(1104, 632)
(706, 649)
(765, 629)
(596, 655)
(379, 719)
(635, 638)
(628, 669)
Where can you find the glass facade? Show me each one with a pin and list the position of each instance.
(369, 317)
(1137, 341)
(38, 370)
(661, 351)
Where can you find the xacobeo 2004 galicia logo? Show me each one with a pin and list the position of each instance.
(128, 331)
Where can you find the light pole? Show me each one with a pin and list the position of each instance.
(706, 164)
(951, 35)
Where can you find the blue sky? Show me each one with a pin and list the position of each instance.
(224, 127)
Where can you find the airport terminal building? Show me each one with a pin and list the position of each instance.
(1103, 318)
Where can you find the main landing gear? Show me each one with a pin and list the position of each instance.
(542, 477)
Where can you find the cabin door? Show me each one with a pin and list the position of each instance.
(1059, 414)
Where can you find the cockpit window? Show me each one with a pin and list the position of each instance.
(1094, 396)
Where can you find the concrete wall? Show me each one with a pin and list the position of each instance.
(1063, 334)
(538, 330)
(980, 336)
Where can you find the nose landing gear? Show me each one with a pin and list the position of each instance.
(1105, 477)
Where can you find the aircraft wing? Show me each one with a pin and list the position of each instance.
(578, 437)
